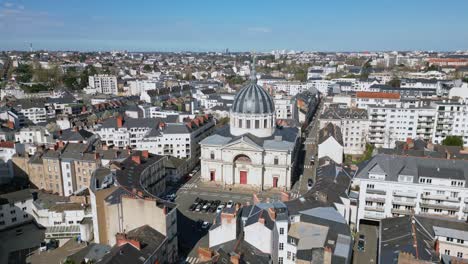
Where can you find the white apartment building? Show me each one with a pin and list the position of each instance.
(323, 86)
(389, 123)
(354, 124)
(136, 87)
(451, 119)
(34, 135)
(122, 132)
(364, 99)
(284, 106)
(180, 140)
(291, 87)
(103, 83)
(391, 185)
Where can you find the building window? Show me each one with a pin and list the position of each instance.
(370, 186)
(280, 260)
(459, 254)
(289, 255)
(248, 123)
(212, 155)
(293, 256)
(447, 252)
(281, 231)
(257, 123)
(275, 161)
(449, 239)
(281, 246)
(13, 219)
(461, 241)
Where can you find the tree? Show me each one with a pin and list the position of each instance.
(453, 141)
(366, 69)
(300, 75)
(147, 68)
(394, 82)
(24, 73)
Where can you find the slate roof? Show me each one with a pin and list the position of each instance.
(392, 165)
(330, 130)
(344, 113)
(253, 99)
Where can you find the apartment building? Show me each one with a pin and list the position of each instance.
(125, 197)
(451, 119)
(126, 132)
(364, 99)
(284, 106)
(180, 140)
(391, 185)
(104, 84)
(34, 135)
(34, 110)
(391, 123)
(354, 124)
(15, 208)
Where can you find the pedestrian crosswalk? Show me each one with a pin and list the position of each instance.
(192, 260)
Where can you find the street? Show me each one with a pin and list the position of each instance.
(369, 255)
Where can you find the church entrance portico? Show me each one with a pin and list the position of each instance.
(241, 168)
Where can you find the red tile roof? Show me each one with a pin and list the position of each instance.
(379, 95)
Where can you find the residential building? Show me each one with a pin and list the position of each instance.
(391, 185)
(354, 124)
(103, 84)
(125, 197)
(330, 143)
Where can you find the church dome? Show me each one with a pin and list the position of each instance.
(253, 99)
(253, 110)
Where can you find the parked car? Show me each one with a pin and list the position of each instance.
(220, 208)
(198, 208)
(197, 200)
(361, 242)
(193, 206)
(206, 207)
(205, 225)
(230, 204)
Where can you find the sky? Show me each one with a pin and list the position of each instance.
(208, 25)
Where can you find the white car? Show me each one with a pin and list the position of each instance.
(230, 204)
(205, 225)
(220, 208)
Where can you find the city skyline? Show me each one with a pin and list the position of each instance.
(183, 26)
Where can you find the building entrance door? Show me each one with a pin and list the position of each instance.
(212, 175)
(275, 182)
(243, 177)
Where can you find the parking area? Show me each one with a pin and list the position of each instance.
(366, 250)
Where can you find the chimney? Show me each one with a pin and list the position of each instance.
(136, 159)
(61, 144)
(145, 154)
(119, 121)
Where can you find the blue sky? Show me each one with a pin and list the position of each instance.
(198, 25)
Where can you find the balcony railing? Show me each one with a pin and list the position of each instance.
(405, 194)
(374, 208)
(375, 199)
(401, 211)
(376, 191)
(440, 197)
(440, 206)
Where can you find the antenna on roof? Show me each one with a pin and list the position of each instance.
(253, 72)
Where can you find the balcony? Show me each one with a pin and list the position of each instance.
(408, 202)
(374, 215)
(375, 199)
(374, 208)
(405, 194)
(401, 211)
(440, 206)
(440, 197)
(376, 191)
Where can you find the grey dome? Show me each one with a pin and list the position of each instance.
(253, 99)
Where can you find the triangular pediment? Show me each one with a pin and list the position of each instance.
(244, 143)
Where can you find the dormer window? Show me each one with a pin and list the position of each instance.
(405, 178)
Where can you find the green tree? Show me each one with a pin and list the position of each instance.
(147, 68)
(453, 141)
(300, 75)
(24, 73)
(394, 82)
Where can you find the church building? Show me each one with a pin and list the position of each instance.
(251, 150)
